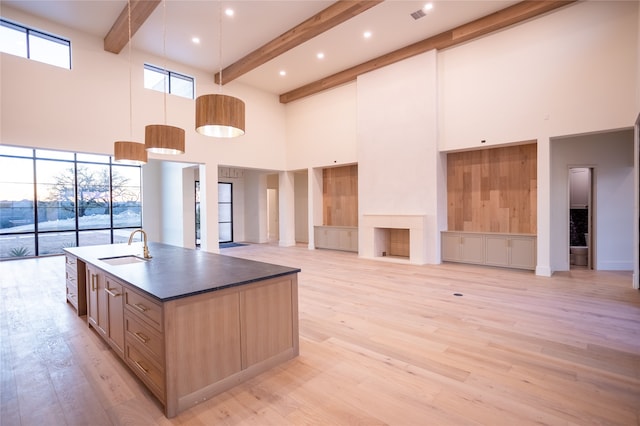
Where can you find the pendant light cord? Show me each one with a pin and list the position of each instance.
(130, 71)
(164, 53)
(220, 44)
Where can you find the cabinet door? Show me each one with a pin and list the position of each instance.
(344, 238)
(269, 315)
(115, 313)
(497, 250)
(450, 247)
(97, 309)
(472, 248)
(92, 298)
(333, 238)
(320, 236)
(523, 253)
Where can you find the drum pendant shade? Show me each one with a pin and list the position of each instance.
(129, 152)
(163, 139)
(220, 116)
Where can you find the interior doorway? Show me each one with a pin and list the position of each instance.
(581, 208)
(225, 212)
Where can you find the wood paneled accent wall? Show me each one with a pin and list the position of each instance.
(493, 190)
(340, 196)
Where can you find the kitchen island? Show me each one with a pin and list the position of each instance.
(189, 324)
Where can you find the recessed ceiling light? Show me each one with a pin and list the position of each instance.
(283, 73)
(428, 6)
(320, 55)
(367, 34)
(196, 40)
(229, 12)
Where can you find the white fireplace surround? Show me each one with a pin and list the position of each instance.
(372, 243)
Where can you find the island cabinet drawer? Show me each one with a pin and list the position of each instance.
(144, 336)
(72, 295)
(146, 369)
(144, 307)
(75, 283)
(71, 276)
(71, 261)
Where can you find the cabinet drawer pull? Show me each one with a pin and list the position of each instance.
(140, 307)
(110, 291)
(146, 371)
(144, 339)
(93, 282)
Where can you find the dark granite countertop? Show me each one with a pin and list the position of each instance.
(175, 272)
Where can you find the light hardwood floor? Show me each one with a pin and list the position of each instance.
(380, 343)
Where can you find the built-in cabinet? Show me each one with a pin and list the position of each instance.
(494, 249)
(75, 283)
(336, 237)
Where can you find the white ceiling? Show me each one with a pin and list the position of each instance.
(256, 22)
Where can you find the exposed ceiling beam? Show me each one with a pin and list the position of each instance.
(118, 36)
(328, 18)
(503, 18)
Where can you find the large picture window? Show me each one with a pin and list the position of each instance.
(50, 200)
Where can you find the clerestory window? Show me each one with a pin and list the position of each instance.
(162, 80)
(19, 40)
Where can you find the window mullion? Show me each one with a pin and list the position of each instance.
(36, 247)
(76, 194)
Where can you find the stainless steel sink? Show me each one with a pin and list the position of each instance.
(122, 260)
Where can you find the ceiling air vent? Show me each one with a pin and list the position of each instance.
(418, 14)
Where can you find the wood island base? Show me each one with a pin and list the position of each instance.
(191, 346)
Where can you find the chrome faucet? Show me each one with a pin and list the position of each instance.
(144, 239)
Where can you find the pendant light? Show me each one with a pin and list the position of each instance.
(161, 138)
(128, 152)
(219, 115)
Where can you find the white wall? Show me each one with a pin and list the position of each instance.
(397, 140)
(151, 202)
(172, 203)
(189, 206)
(611, 156)
(569, 72)
(255, 206)
(322, 129)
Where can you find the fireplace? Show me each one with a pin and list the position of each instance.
(396, 238)
(392, 242)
